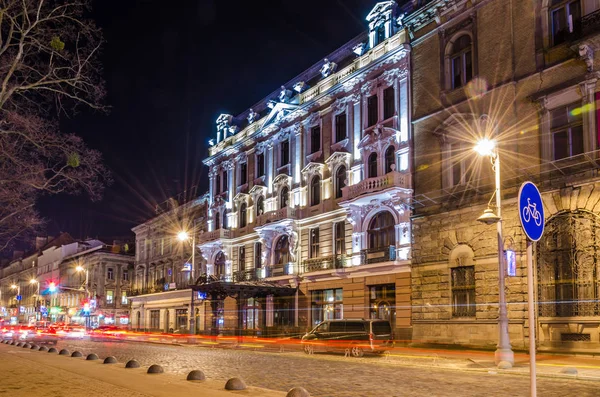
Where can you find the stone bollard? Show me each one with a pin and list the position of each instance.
(298, 392)
(26, 346)
(43, 349)
(92, 356)
(132, 364)
(52, 350)
(64, 352)
(155, 369)
(235, 384)
(196, 375)
(76, 354)
(110, 360)
(35, 347)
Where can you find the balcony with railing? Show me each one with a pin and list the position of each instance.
(377, 255)
(370, 185)
(330, 262)
(214, 235)
(277, 215)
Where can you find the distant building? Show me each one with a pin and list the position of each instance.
(161, 294)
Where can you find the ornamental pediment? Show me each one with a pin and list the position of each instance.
(379, 134)
(313, 168)
(258, 190)
(379, 8)
(338, 158)
(281, 179)
(240, 198)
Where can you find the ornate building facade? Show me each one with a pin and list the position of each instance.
(308, 211)
(161, 297)
(524, 74)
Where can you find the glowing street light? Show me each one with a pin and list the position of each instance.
(184, 236)
(504, 355)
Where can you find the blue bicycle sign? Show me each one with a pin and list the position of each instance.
(531, 211)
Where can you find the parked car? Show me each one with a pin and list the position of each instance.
(354, 336)
(7, 331)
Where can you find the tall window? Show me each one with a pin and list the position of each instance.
(225, 185)
(463, 291)
(461, 61)
(389, 159)
(154, 319)
(340, 238)
(217, 221)
(257, 255)
(372, 110)
(243, 173)
(315, 139)
(340, 181)
(218, 184)
(283, 197)
(314, 242)
(110, 297)
(380, 34)
(224, 220)
(110, 273)
(381, 231)
(125, 275)
(566, 125)
(220, 263)
(243, 211)
(340, 127)
(260, 205)
(242, 258)
(388, 103)
(565, 18)
(285, 153)
(372, 165)
(460, 166)
(260, 165)
(568, 258)
(124, 297)
(315, 190)
(181, 318)
(282, 250)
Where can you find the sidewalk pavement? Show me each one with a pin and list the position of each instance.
(28, 372)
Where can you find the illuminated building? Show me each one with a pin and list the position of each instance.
(308, 216)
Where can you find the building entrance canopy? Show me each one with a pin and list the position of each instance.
(221, 288)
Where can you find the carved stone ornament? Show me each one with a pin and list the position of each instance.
(389, 76)
(284, 94)
(586, 54)
(281, 181)
(328, 68)
(252, 116)
(300, 86)
(312, 119)
(214, 171)
(368, 87)
(241, 158)
(228, 165)
(337, 159)
(339, 105)
(312, 169)
(260, 147)
(224, 122)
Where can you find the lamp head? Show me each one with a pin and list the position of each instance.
(33, 281)
(485, 147)
(79, 268)
(489, 217)
(14, 286)
(182, 236)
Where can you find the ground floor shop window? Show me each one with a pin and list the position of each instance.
(181, 318)
(154, 319)
(382, 302)
(251, 314)
(327, 305)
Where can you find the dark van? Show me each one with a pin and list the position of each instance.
(358, 336)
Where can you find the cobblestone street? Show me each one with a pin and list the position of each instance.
(331, 374)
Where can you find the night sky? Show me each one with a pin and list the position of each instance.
(171, 67)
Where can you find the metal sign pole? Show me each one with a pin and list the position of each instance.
(531, 308)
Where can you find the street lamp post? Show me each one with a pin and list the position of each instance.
(79, 269)
(504, 355)
(37, 297)
(18, 298)
(184, 236)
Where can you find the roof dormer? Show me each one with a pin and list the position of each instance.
(381, 22)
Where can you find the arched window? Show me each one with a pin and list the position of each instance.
(217, 221)
(340, 181)
(315, 190)
(282, 250)
(461, 61)
(243, 208)
(219, 263)
(381, 231)
(260, 206)
(389, 159)
(283, 197)
(372, 166)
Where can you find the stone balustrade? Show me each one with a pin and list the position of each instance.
(369, 185)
